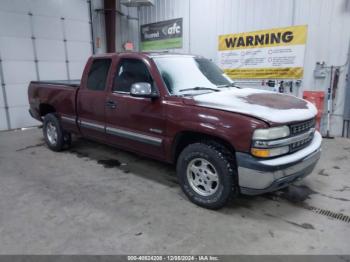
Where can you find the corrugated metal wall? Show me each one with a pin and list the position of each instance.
(39, 40)
(203, 21)
(127, 24)
(328, 31)
(98, 24)
(127, 27)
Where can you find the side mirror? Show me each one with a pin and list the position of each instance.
(142, 89)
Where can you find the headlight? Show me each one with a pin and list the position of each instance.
(271, 133)
(263, 146)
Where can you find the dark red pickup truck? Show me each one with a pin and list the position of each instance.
(182, 109)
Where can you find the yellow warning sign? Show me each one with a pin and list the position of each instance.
(263, 73)
(272, 53)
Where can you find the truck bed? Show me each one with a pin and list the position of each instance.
(57, 96)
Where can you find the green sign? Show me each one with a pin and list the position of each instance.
(161, 35)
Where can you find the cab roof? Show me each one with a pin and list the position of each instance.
(143, 54)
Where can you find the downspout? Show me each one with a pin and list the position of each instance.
(92, 29)
(138, 30)
(189, 26)
(110, 20)
(4, 95)
(293, 12)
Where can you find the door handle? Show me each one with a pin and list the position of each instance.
(111, 104)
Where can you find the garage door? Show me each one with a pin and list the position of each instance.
(39, 40)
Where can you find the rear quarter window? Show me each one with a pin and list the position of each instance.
(98, 73)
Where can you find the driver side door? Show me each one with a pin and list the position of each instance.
(135, 123)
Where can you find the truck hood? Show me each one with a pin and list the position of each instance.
(269, 106)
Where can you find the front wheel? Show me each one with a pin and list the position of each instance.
(55, 137)
(207, 174)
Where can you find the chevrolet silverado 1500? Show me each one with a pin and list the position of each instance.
(182, 109)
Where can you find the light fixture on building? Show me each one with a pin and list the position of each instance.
(128, 46)
(137, 3)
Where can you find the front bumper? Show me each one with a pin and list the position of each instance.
(258, 176)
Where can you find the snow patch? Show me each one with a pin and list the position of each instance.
(232, 99)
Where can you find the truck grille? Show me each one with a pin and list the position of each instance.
(302, 127)
(300, 144)
(299, 128)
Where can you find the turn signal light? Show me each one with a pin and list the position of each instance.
(260, 152)
(269, 152)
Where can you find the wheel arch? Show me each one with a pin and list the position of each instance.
(45, 109)
(185, 138)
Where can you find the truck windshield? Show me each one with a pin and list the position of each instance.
(188, 75)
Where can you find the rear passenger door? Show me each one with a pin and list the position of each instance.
(135, 123)
(91, 100)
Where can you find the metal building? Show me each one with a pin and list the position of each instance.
(39, 39)
(50, 39)
(327, 40)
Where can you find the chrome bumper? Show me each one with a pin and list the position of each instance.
(258, 176)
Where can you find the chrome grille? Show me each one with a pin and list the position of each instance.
(300, 144)
(302, 127)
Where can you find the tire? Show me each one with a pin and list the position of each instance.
(55, 137)
(194, 164)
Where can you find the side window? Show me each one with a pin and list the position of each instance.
(98, 74)
(130, 71)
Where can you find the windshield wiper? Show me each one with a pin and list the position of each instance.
(198, 88)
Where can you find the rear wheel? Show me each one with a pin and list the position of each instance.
(207, 174)
(55, 137)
